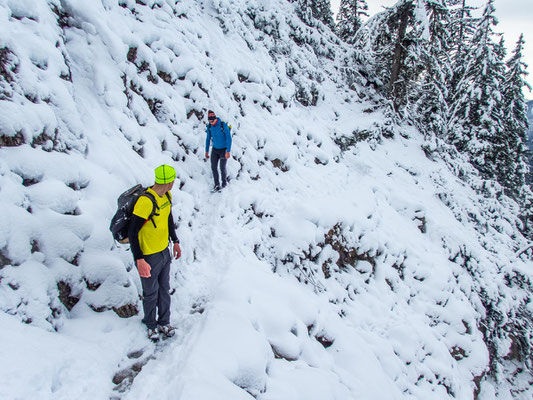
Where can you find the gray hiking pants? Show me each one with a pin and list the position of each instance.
(156, 290)
(218, 156)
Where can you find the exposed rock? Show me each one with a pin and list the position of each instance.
(4, 259)
(325, 340)
(126, 311)
(277, 163)
(347, 255)
(65, 295)
(12, 141)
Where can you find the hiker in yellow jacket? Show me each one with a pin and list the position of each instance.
(151, 228)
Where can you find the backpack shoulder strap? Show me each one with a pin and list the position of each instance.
(154, 203)
(222, 123)
(151, 197)
(226, 125)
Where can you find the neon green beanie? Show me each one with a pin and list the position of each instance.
(164, 174)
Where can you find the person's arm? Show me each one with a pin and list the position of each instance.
(136, 224)
(143, 267)
(176, 250)
(172, 229)
(141, 212)
(207, 141)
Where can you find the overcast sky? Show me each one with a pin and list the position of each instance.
(515, 17)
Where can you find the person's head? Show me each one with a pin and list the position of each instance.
(211, 117)
(165, 175)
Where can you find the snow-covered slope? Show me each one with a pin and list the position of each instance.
(345, 260)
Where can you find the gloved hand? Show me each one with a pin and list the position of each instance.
(206, 154)
(176, 250)
(144, 268)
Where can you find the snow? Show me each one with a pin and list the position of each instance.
(266, 303)
(78, 372)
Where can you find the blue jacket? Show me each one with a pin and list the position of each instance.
(220, 134)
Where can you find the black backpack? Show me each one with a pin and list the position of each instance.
(120, 223)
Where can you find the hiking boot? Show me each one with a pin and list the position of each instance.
(167, 330)
(153, 335)
(215, 189)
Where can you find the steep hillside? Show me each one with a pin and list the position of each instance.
(350, 257)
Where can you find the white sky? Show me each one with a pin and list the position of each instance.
(514, 17)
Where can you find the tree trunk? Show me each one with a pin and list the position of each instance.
(461, 30)
(399, 52)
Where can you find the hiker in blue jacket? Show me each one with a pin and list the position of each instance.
(219, 133)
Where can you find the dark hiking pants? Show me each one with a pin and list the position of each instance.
(216, 156)
(156, 290)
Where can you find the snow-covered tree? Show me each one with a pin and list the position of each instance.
(349, 18)
(315, 9)
(477, 125)
(516, 121)
(388, 49)
(462, 27)
(374, 43)
(405, 55)
(526, 210)
(407, 47)
(430, 103)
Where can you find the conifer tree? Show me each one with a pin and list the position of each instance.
(477, 117)
(320, 10)
(395, 45)
(462, 27)
(397, 86)
(421, 65)
(375, 44)
(516, 121)
(430, 106)
(526, 210)
(349, 18)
